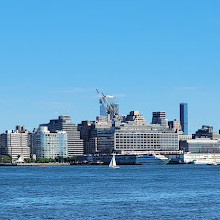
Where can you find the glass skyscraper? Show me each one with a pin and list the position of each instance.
(184, 117)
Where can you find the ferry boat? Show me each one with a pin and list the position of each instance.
(151, 159)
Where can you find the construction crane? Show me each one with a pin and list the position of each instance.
(109, 105)
(102, 101)
(106, 104)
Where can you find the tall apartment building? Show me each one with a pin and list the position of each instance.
(98, 136)
(48, 144)
(74, 143)
(15, 143)
(86, 128)
(184, 117)
(104, 132)
(160, 118)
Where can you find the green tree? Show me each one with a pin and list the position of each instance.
(5, 159)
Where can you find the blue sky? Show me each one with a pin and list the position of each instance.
(151, 54)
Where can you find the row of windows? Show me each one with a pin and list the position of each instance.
(147, 145)
(144, 135)
(146, 141)
(143, 147)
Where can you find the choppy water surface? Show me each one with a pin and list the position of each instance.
(97, 192)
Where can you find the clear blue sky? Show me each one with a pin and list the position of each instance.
(151, 54)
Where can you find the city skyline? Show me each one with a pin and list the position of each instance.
(148, 54)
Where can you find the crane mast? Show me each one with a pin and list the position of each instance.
(108, 107)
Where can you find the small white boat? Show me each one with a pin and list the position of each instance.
(113, 163)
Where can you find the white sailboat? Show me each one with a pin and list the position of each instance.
(113, 163)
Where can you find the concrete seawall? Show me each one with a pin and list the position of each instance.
(43, 164)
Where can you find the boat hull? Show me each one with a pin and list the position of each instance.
(151, 159)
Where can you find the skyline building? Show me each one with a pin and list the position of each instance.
(160, 118)
(206, 132)
(149, 137)
(46, 144)
(89, 144)
(15, 143)
(175, 126)
(134, 117)
(201, 145)
(184, 117)
(64, 123)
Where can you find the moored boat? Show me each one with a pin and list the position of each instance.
(151, 159)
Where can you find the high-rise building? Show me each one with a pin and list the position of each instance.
(184, 117)
(74, 143)
(48, 144)
(112, 100)
(15, 143)
(86, 128)
(160, 118)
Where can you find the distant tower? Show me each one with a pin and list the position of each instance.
(184, 117)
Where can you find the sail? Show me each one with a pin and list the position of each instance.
(113, 161)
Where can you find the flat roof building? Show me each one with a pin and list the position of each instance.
(15, 143)
(48, 144)
(74, 143)
(201, 145)
(160, 118)
(145, 138)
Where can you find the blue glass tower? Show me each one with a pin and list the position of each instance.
(184, 117)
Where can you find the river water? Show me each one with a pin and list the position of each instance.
(98, 192)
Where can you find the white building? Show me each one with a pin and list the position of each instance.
(48, 144)
(201, 145)
(15, 143)
(129, 137)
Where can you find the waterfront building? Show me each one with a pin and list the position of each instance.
(175, 126)
(184, 117)
(91, 147)
(98, 136)
(104, 132)
(201, 145)
(151, 137)
(74, 143)
(105, 140)
(48, 144)
(160, 118)
(89, 144)
(15, 143)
